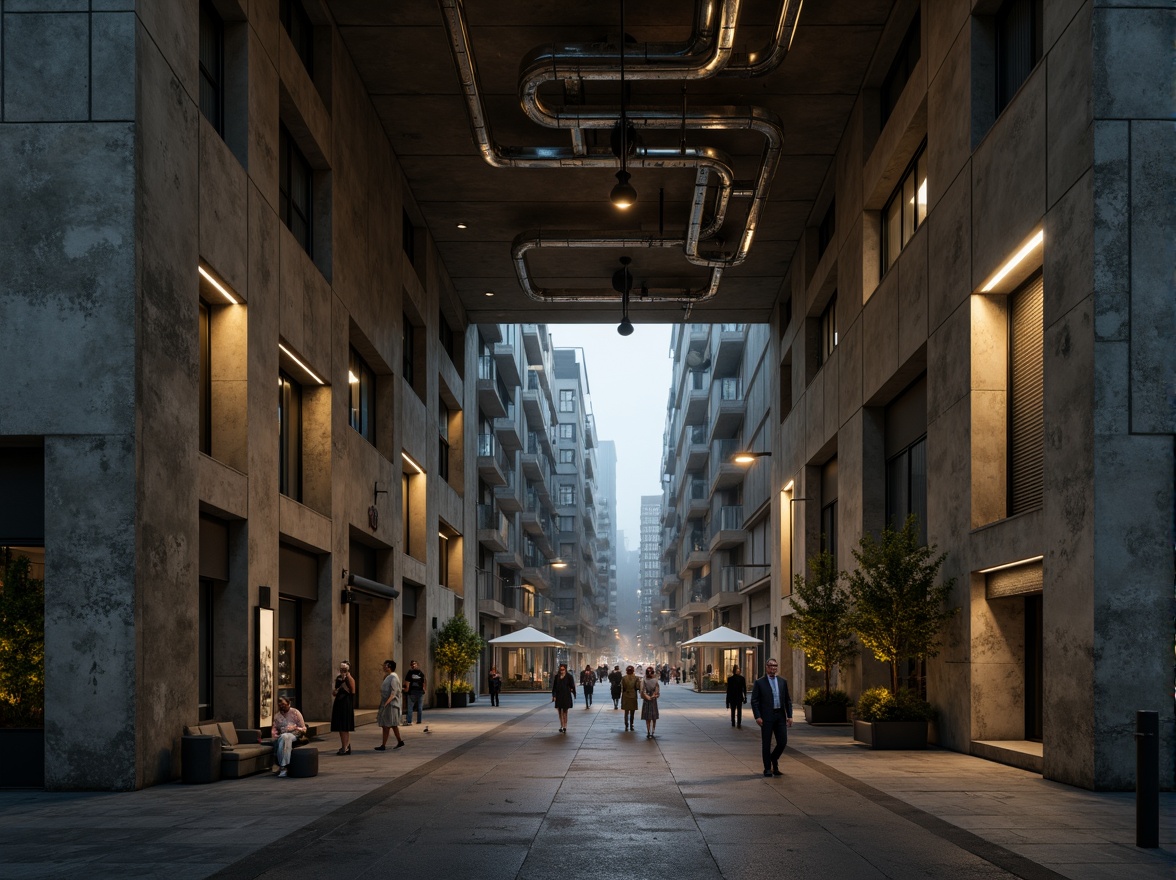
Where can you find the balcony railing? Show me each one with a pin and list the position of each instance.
(729, 518)
(700, 589)
(487, 368)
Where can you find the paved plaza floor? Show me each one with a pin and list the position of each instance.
(499, 793)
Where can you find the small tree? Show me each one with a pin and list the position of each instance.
(22, 644)
(899, 609)
(821, 624)
(456, 648)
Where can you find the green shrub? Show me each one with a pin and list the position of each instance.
(816, 696)
(878, 704)
(22, 644)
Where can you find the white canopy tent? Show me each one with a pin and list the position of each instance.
(718, 638)
(522, 670)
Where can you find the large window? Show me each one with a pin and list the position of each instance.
(906, 210)
(362, 397)
(298, 25)
(442, 559)
(289, 437)
(212, 67)
(567, 456)
(827, 331)
(1026, 417)
(1018, 47)
(567, 495)
(900, 69)
(567, 431)
(567, 400)
(295, 190)
(829, 507)
(906, 487)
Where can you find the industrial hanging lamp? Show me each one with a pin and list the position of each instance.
(623, 282)
(624, 194)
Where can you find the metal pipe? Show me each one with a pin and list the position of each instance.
(532, 240)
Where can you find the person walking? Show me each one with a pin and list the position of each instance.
(587, 682)
(772, 707)
(614, 686)
(388, 717)
(563, 694)
(736, 696)
(495, 685)
(343, 709)
(414, 687)
(629, 687)
(650, 691)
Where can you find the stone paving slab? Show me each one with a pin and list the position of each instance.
(500, 793)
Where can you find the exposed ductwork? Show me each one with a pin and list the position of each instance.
(708, 53)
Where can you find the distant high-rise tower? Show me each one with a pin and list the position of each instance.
(650, 573)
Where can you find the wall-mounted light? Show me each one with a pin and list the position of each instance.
(1016, 564)
(745, 457)
(304, 367)
(217, 286)
(788, 486)
(559, 563)
(416, 468)
(1015, 260)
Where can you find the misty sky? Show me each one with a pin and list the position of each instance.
(629, 379)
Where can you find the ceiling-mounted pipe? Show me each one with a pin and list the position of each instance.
(531, 240)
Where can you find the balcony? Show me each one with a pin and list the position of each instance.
(536, 572)
(536, 344)
(489, 399)
(534, 460)
(509, 497)
(697, 450)
(727, 406)
(506, 357)
(590, 432)
(492, 463)
(490, 595)
(506, 429)
(693, 554)
(724, 473)
(493, 528)
(727, 529)
(728, 593)
(697, 503)
(731, 339)
(695, 405)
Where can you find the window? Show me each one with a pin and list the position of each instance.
(409, 349)
(204, 644)
(295, 190)
(829, 507)
(442, 560)
(900, 70)
(205, 381)
(567, 494)
(443, 440)
(567, 432)
(212, 67)
(362, 397)
(827, 229)
(827, 331)
(906, 487)
(289, 437)
(301, 31)
(408, 237)
(567, 456)
(567, 523)
(906, 210)
(445, 335)
(1026, 417)
(1018, 47)
(567, 400)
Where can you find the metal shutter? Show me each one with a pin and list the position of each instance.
(1026, 415)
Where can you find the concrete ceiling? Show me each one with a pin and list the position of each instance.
(402, 51)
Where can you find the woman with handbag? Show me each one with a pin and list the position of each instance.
(563, 693)
(587, 682)
(650, 691)
(343, 709)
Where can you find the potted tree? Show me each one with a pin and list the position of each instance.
(820, 626)
(22, 674)
(456, 648)
(899, 608)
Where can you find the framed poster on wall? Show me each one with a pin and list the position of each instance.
(266, 676)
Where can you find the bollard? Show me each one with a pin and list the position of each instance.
(1147, 779)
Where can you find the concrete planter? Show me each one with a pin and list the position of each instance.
(826, 713)
(22, 758)
(452, 701)
(903, 735)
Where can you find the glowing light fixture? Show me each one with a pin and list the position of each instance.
(489, 293)
(1014, 261)
(304, 367)
(788, 486)
(416, 468)
(461, 226)
(352, 379)
(1016, 564)
(623, 195)
(749, 457)
(559, 563)
(218, 287)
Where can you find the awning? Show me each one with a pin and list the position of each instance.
(371, 588)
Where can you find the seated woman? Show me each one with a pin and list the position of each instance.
(288, 728)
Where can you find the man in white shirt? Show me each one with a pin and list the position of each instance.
(772, 707)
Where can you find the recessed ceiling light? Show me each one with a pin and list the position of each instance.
(461, 226)
(489, 293)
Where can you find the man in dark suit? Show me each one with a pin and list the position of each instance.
(736, 696)
(772, 707)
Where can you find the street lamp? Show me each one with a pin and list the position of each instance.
(747, 457)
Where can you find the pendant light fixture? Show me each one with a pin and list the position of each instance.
(623, 282)
(623, 195)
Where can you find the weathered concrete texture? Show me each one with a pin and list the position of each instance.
(1132, 53)
(949, 248)
(1153, 278)
(91, 657)
(1133, 595)
(1068, 271)
(112, 66)
(167, 533)
(223, 210)
(46, 67)
(1112, 229)
(71, 208)
(949, 117)
(1069, 136)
